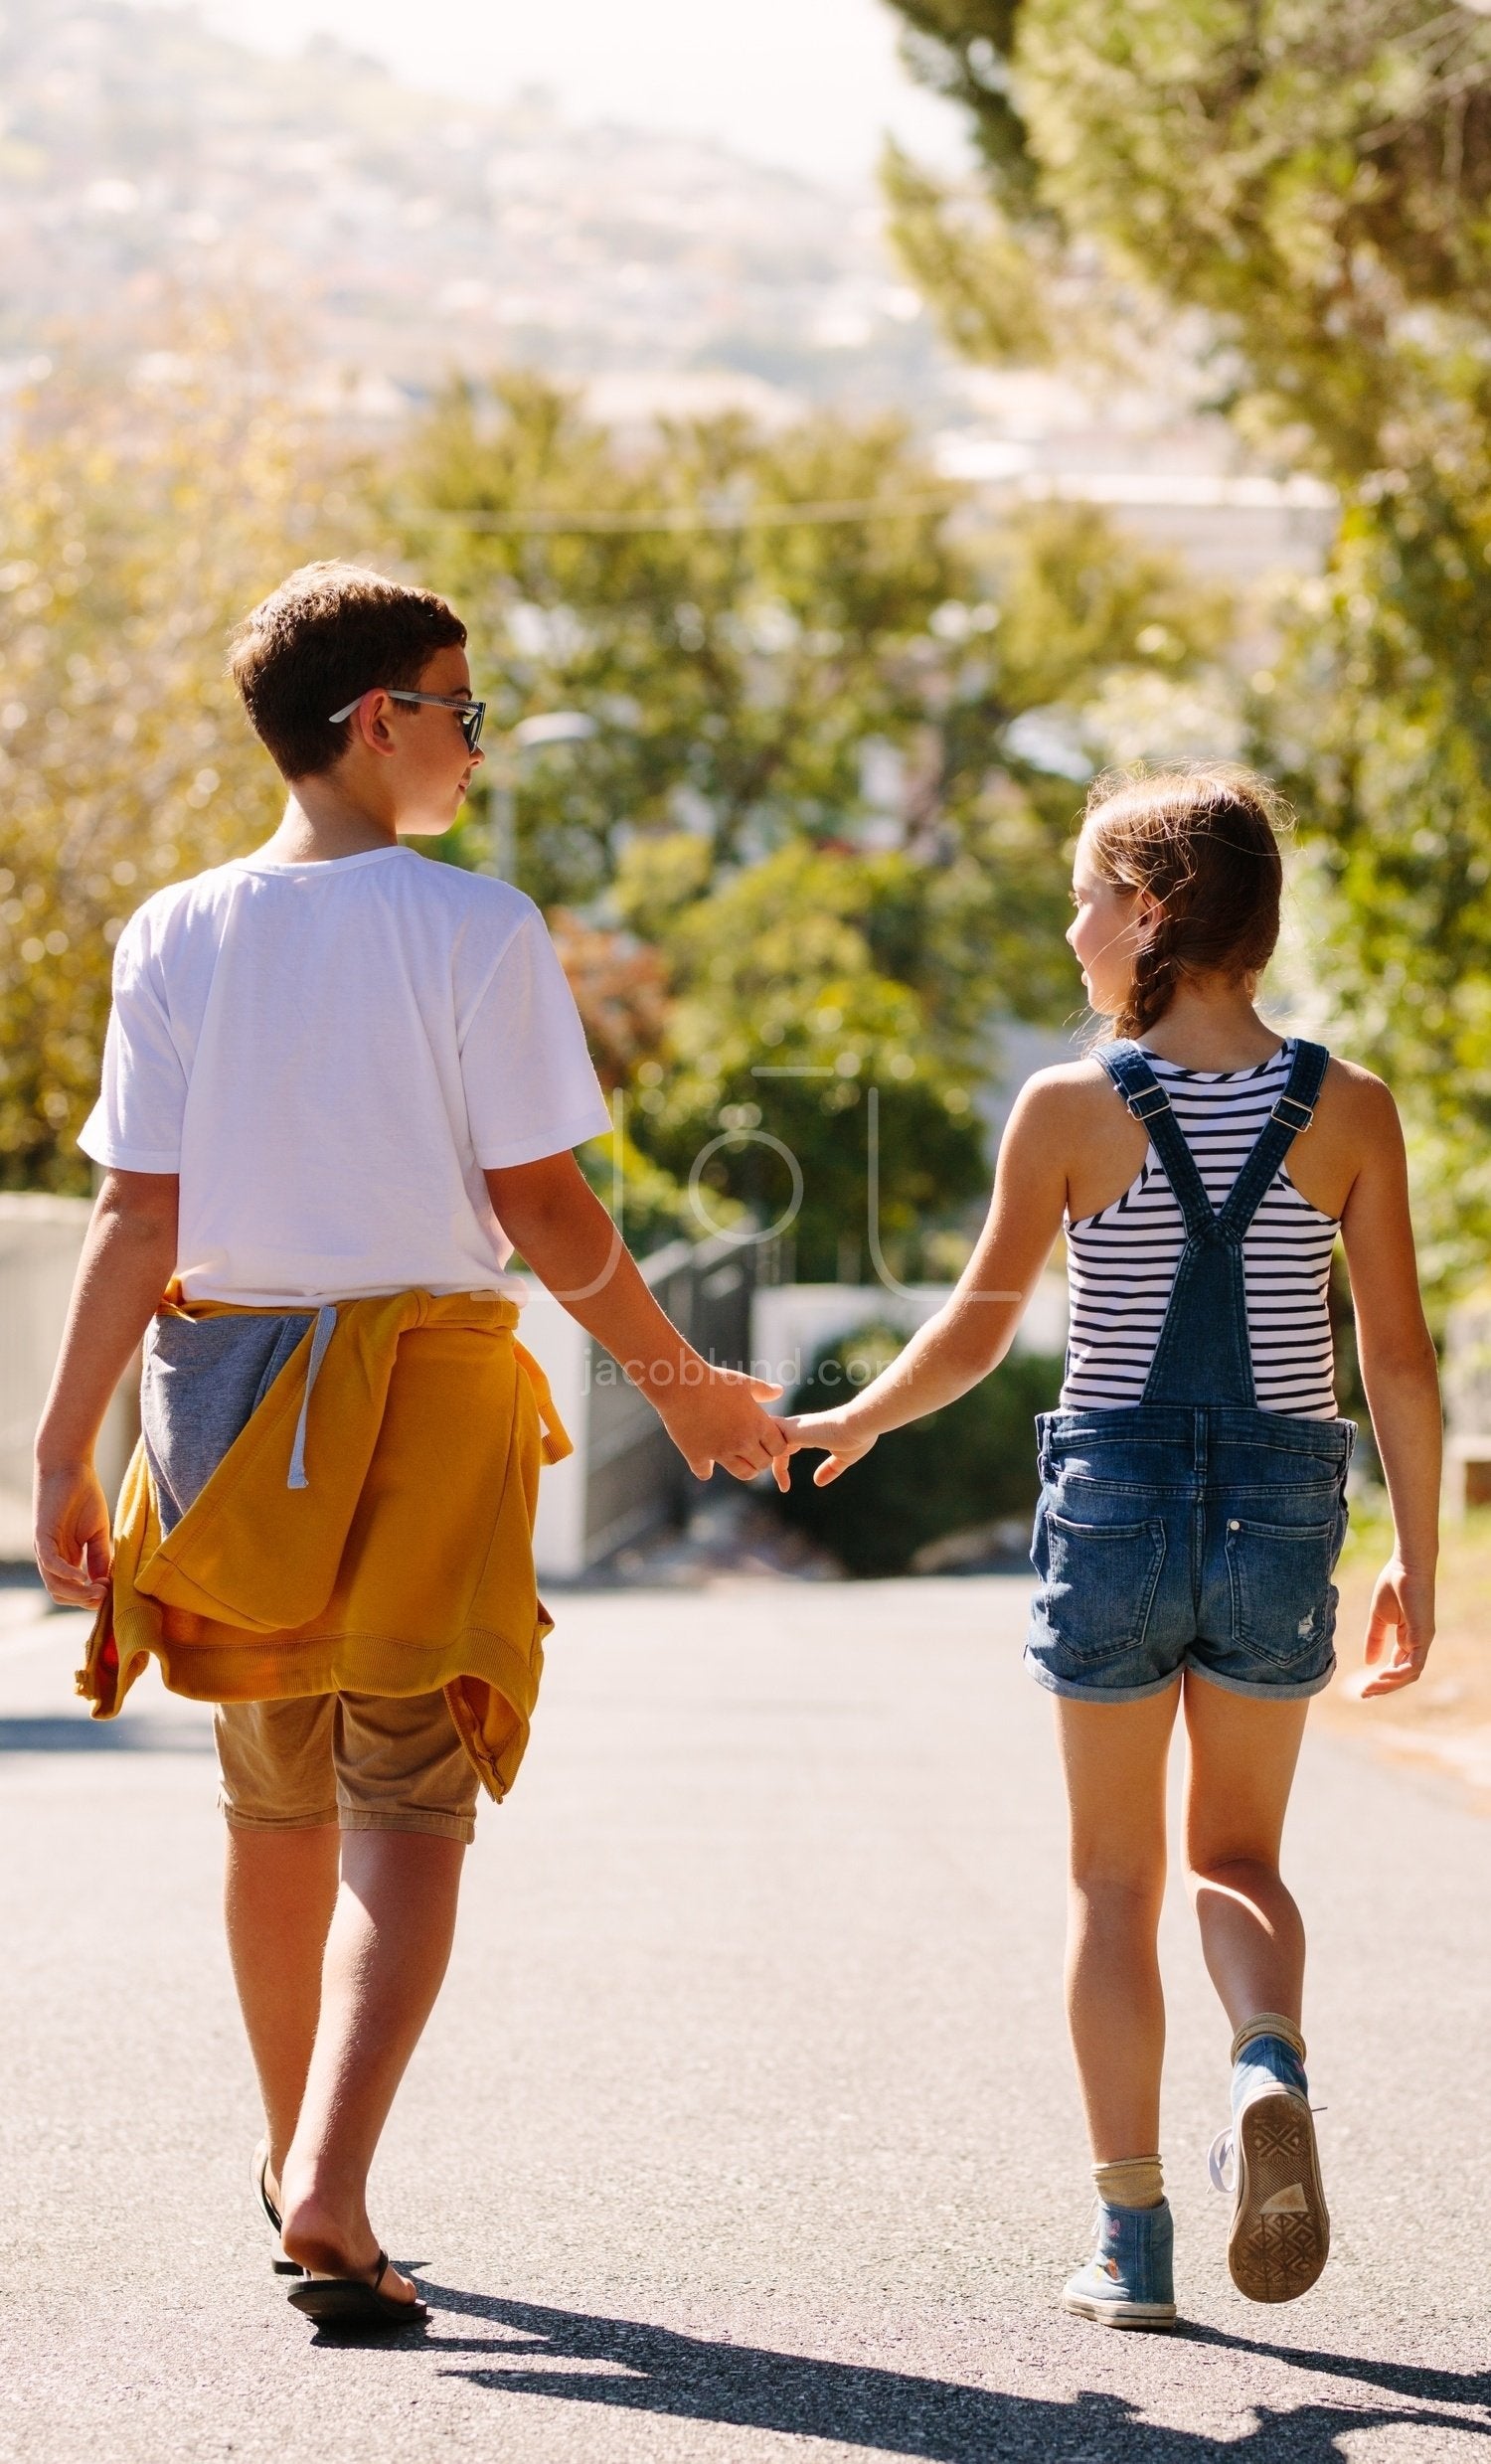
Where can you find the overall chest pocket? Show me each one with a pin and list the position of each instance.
(1098, 1581)
(1283, 1600)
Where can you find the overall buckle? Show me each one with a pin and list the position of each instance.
(1288, 1105)
(1156, 1099)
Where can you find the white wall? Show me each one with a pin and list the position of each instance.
(560, 1345)
(41, 1239)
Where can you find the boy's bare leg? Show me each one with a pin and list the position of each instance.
(385, 1958)
(278, 1894)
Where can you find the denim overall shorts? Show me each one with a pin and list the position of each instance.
(1191, 1530)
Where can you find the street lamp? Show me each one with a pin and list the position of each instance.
(549, 726)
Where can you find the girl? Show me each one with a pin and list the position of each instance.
(1193, 1479)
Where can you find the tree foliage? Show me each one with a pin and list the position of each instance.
(133, 533)
(1367, 724)
(740, 660)
(807, 798)
(807, 1003)
(1309, 186)
(754, 674)
(734, 672)
(1313, 179)
(968, 1465)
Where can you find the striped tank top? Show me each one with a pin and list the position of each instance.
(1122, 1263)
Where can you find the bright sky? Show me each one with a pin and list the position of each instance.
(813, 83)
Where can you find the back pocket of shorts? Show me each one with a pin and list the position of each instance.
(1098, 1582)
(1283, 1601)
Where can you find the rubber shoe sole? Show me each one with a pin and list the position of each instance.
(1119, 2313)
(1280, 2233)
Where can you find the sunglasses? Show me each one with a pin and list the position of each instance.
(471, 712)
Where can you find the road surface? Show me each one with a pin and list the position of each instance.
(746, 2130)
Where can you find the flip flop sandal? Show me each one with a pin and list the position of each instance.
(350, 2301)
(282, 2266)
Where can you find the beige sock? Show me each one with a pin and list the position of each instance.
(1268, 2024)
(1133, 2182)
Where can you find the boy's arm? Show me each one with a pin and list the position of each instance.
(557, 1223)
(128, 1257)
(1400, 1375)
(973, 1329)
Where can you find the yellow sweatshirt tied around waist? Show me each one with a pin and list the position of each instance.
(417, 1424)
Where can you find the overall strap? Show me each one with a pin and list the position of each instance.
(1204, 1355)
(1148, 1102)
(1295, 1111)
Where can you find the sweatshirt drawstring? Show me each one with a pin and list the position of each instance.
(326, 1327)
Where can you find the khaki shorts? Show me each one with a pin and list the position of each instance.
(364, 1761)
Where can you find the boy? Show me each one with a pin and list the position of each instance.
(340, 1084)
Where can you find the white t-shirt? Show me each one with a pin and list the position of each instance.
(330, 1054)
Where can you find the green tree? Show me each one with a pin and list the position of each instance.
(1365, 724)
(1312, 179)
(733, 672)
(805, 1005)
(1310, 184)
(965, 1467)
(747, 649)
(744, 680)
(743, 614)
(133, 531)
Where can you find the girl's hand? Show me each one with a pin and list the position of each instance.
(1400, 1620)
(842, 1444)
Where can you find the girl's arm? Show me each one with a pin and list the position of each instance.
(973, 1329)
(1401, 1377)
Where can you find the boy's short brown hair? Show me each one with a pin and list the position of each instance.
(329, 633)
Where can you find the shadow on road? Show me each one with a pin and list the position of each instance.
(1435, 2386)
(60, 1732)
(649, 2370)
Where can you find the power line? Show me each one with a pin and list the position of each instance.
(829, 511)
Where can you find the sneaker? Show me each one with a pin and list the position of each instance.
(1130, 2279)
(1281, 2232)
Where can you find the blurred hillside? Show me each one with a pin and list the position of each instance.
(154, 173)
(144, 159)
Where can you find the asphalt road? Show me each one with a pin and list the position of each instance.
(745, 2127)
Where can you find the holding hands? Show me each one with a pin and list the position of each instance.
(719, 1420)
(832, 1431)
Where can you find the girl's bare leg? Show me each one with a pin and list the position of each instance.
(1113, 1756)
(385, 1958)
(1240, 1767)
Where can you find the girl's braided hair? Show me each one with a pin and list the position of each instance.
(1204, 843)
